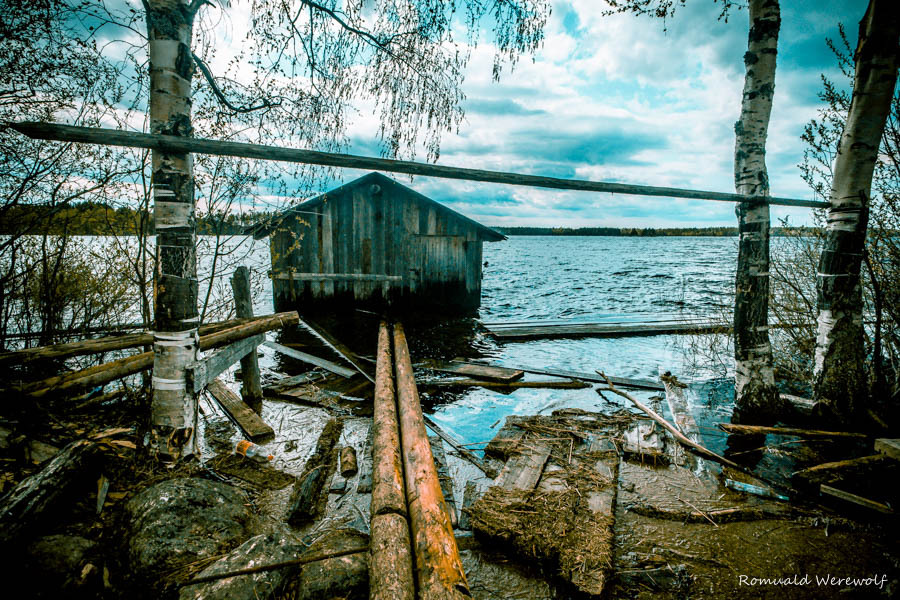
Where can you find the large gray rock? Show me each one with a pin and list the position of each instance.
(263, 549)
(180, 521)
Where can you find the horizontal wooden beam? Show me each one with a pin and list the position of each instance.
(183, 145)
(334, 276)
(210, 367)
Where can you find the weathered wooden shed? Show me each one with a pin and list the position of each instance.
(374, 242)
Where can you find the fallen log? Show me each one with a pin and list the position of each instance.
(304, 501)
(438, 565)
(348, 461)
(840, 465)
(107, 344)
(855, 499)
(24, 508)
(807, 433)
(390, 561)
(387, 465)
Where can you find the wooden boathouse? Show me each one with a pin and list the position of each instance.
(376, 243)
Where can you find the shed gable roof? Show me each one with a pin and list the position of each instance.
(261, 231)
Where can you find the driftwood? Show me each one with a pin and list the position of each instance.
(23, 508)
(855, 499)
(807, 433)
(479, 371)
(387, 469)
(438, 565)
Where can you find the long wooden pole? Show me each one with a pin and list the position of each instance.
(391, 563)
(132, 139)
(438, 565)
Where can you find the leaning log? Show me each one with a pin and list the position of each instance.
(23, 509)
(438, 565)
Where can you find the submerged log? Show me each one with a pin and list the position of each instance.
(23, 508)
(387, 468)
(438, 565)
(304, 501)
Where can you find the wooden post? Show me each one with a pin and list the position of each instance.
(439, 568)
(390, 567)
(251, 388)
(756, 397)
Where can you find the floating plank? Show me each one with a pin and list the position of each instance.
(333, 276)
(479, 371)
(506, 386)
(342, 350)
(830, 491)
(187, 145)
(440, 463)
(487, 470)
(250, 423)
(210, 367)
(538, 330)
(888, 447)
(641, 384)
(310, 359)
(679, 408)
(523, 470)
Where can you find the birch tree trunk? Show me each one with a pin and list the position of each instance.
(756, 398)
(175, 344)
(839, 376)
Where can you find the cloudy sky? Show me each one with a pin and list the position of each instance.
(620, 99)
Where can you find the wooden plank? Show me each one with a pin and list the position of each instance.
(506, 440)
(184, 145)
(806, 433)
(888, 447)
(479, 371)
(840, 465)
(463, 452)
(254, 428)
(470, 496)
(332, 277)
(871, 504)
(642, 384)
(288, 383)
(523, 469)
(342, 350)
(504, 386)
(310, 359)
(603, 330)
(678, 406)
(440, 463)
(210, 367)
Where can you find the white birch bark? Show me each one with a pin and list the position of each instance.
(839, 376)
(756, 398)
(173, 406)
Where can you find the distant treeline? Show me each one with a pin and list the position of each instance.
(88, 218)
(639, 231)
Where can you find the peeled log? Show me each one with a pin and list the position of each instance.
(387, 467)
(390, 562)
(439, 568)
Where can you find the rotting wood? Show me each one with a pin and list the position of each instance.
(855, 499)
(388, 489)
(133, 139)
(839, 465)
(247, 419)
(391, 561)
(27, 505)
(288, 383)
(506, 440)
(439, 568)
(459, 448)
(678, 406)
(251, 387)
(806, 433)
(310, 359)
(479, 371)
(503, 386)
(470, 496)
(523, 469)
(304, 501)
(342, 350)
(209, 367)
(348, 462)
(440, 463)
(888, 447)
(364, 482)
(644, 384)
(245, 330)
